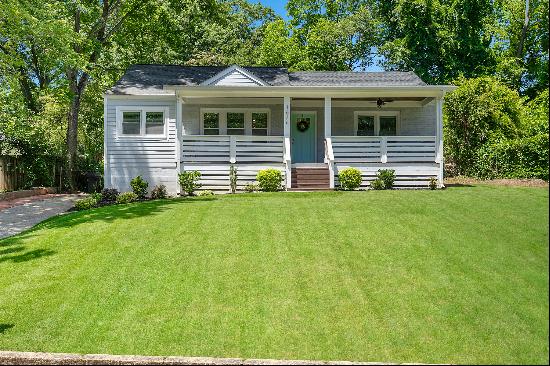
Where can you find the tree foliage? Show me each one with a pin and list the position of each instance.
(58, 57)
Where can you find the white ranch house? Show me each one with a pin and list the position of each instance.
(164, 119)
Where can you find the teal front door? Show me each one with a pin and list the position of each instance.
(304, 126)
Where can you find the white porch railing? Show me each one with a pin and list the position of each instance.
(232, 149)
(384, 149)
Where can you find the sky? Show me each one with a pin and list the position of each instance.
(279, 7)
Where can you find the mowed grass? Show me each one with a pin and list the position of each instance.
(453, 276)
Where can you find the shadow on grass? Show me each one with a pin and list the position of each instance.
(5, 326)
(13, 249)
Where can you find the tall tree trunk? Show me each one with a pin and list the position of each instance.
(72, 128)
(523, 31)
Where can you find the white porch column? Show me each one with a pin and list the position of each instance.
(179, 133)
(286, 111)
(328, 117)
(439, 140)
(287, 144)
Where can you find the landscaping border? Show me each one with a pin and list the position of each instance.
(12, 195)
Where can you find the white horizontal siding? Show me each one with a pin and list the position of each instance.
(152, 158)
(407, 175)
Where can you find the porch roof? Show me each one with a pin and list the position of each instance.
(164, 79)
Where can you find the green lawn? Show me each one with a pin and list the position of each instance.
(453, 276)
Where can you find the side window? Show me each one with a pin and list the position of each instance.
(154, 123)
(365, 125)
(131, 123)
(211, 123)
(259, 124)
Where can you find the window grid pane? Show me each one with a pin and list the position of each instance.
(131, 122)
(235, 131)
(388, 126)
(259, 120)
(365, 125)
(154, 123)
(211, 131)
(259, 132)
(235, 120)
(211, 120)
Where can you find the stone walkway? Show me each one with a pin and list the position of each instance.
(19, 215)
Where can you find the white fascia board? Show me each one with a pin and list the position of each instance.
(312, 91)
(167, 96)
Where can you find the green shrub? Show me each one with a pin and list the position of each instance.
(127, 197)
(377, 184)
(251, 187)
(433, 183)
(350, 179)
(514, 158)
(189, 181)
(109, 194)
(139, 186)
(206, 193)
(269, 180)
(479, 110)
(387, 176)
(233, 178)
(88, 202)
(159, 192)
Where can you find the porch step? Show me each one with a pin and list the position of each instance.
(310, 179)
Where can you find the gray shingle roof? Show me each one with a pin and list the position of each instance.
(150, 79)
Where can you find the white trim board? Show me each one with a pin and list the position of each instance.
(377, 115)
(223, 118)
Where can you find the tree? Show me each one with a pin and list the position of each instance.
(479, 111)
(438, 39)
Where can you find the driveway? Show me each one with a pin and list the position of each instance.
(25, 213)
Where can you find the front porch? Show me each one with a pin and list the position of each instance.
(254, 133)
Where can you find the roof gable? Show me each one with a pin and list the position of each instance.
(234, 76)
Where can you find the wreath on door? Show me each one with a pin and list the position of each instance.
(303, 124)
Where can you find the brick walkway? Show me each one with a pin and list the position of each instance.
(23, 213)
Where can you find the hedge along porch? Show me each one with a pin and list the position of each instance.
(293, 122)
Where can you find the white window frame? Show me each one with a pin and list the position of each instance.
(223, 119)
(142, 111)
(376, 115)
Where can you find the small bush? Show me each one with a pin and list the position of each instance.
(387, 176)
(109, 194)
(139, 186)
(433, 183)
(88, 202)
(377, 184)
(350, 179)
(269, 180)
(189, 181)
(127, 197)
(251, 187)
(233, 179)
(206, 193)
(159, 192)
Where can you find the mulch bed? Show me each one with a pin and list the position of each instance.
(461, 181)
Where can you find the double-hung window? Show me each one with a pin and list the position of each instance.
(142, 122)
(234, 121)
(374, 123)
